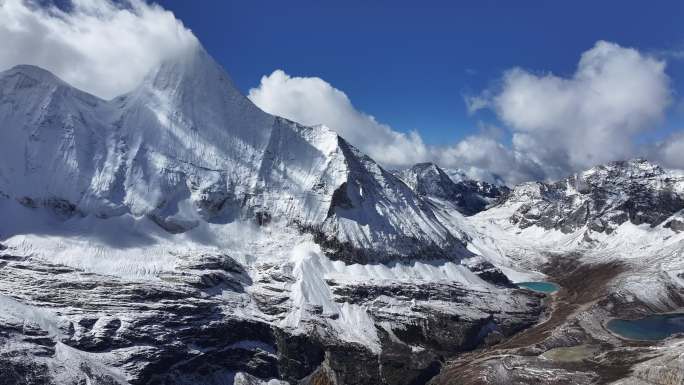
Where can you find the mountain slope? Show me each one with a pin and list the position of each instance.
(468, 196)
(186, 146)
(179, 235)
(611, 237)
(602, 198)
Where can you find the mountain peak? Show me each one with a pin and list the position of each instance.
(633, 168)
(191, 90)
(601, 198)
(35, 84)
(33, 71)
(469, 196)
(25, 76)
(423, 166)
(187, 68)
(194, 79)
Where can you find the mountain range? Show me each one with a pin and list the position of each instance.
(178, 234)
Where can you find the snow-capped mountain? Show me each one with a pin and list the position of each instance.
(469, 196)
(611, 238)
(179, 235)
(602, 198)
(186, 146)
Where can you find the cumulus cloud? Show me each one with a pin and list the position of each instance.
(591, 117)
(312, 101)
(99, 46)
(569, 123)
(558, 125)
(483, 157)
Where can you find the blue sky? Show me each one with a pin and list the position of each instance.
(409, 63)
(512, 90)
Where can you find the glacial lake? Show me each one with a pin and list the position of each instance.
(544, 287)
(652, 328)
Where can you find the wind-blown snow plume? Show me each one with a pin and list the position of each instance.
(100, 46)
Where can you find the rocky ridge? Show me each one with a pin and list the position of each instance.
(179, 235)
(602, 199)
(467, 195)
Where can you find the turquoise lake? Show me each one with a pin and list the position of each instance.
(544, 287)
(652, 328)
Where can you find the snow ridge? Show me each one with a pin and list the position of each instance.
(186, 147)
(469, 196)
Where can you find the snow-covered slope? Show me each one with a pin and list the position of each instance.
(186, 147)
(179, 234)
(629, 212)
(612, 238)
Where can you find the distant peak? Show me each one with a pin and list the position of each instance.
(28, 68)
(640, 163)
(424, 164)
(31, 77)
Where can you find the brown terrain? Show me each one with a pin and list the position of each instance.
(573, 330)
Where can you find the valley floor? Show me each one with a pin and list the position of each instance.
(572, 345)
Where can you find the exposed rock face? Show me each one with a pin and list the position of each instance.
(88, 327)
(186, 148)
(488, 272)
(665, 369)
(165, 237)
(601, 198)
(468, 196)
(61, 325)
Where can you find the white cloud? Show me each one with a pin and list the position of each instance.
(476, 103)
(484, 157)
(99, 46)
(558, 124)
(312, 101)
(567, 124)
(669, 152)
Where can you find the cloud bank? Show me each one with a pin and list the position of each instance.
(312, 101)
(558, 125)
(669, 152)
(99, 46)
(594, 116)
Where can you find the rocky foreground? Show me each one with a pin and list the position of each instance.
(210, 321)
